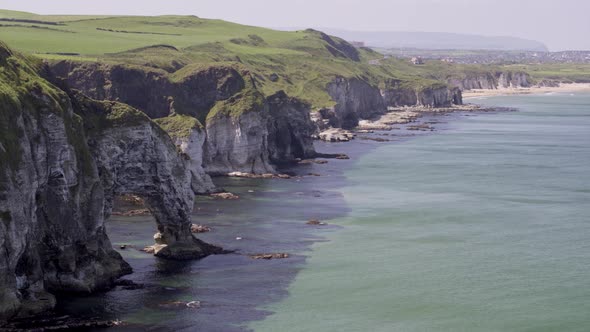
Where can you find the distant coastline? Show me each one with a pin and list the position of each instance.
(564, 87)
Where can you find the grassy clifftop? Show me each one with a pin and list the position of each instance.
(301, 63)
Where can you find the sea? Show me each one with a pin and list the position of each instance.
(480, 225)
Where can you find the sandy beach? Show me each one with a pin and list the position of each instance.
(573, 87)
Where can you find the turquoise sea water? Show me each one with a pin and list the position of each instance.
(483, 226)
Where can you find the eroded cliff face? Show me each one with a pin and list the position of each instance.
(51, 199)
(135, 156)
(396, 94)
(290, 129)
(492, 81)
(355, 99)
(441, 96)
(193, 145)
(192, 91)
(235, 139)
(237, 136)
(62, 160)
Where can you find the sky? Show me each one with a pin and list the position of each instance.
(560, 24)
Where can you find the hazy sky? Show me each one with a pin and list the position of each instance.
(561, 24)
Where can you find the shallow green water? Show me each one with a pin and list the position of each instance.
(484, 226)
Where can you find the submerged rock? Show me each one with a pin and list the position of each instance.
(173, 305)
(315, 222)
(227, 196)
(199, 229)
(336, 135)
(270, 256)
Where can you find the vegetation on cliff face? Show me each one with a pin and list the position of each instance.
(21, 90)
(178, 125)
(247, 100)
(100, 115)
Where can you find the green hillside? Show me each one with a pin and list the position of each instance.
(301, 63)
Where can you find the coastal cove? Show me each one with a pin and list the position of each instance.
(267, 218)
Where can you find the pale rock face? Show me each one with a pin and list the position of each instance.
(53, 205)
(493, 81)
(290, 129)
(514, 80)
(355, 99)
(52, 230)
(142, 160)
(193, 146)
(237, 144)
(439, 97)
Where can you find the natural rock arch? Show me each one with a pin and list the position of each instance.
(142, 160)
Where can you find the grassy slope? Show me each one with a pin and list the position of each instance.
(300, 59)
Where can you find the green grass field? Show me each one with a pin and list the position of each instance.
(303, 61)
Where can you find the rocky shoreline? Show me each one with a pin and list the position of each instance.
(560, 88)
(406, 117)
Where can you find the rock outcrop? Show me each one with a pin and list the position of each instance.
(439, 96)
(491, 81)
(63, 157)
(189, 136)
(135, 156)
(290, 129)
(237, 135)
(192, 90)
(51, 198)
(237, 119)
(396, 94)
(355, 99)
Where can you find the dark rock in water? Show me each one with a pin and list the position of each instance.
(226, 195)
(133, 213)
(149, 250)
(258, 176)
(175, 305)
(313, 161)
(270, 256)
(60, 323)
(316, 222)
(200, 229)
(376, 139)
(128, 284)
(420, 127)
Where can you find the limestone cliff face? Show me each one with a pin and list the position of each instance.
(193, 91)
(492, 81)
(236, 139)
(355, 99)
(62, 160)
(396, 94)
(514, 80)
(192, 146)
(441, 96)
(238, 142)
(51, 199)
(290, 129)
(135, 156)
